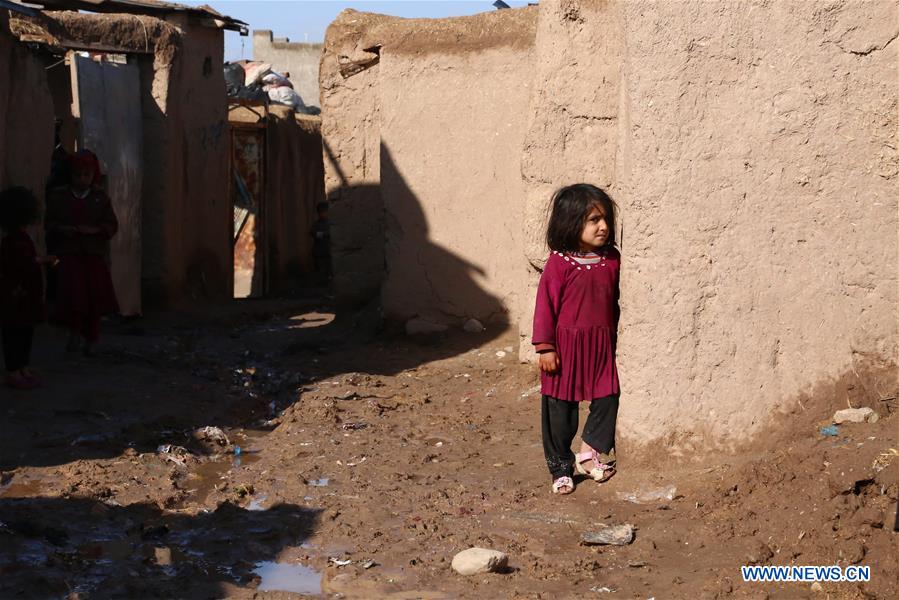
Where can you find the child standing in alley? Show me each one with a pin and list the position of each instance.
(21, 286)
(575, 334)
(81, 222)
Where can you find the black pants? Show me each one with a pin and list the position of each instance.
(560, 426)
(17, 347)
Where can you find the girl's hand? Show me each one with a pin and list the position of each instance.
(549, 362)
(47, 260)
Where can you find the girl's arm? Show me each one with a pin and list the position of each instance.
(546, 310)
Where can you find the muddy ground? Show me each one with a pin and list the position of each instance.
(368, 459)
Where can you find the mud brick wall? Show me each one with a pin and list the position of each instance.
(752, 152)
(26, 116)
(434, 129)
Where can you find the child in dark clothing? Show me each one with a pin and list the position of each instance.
(321, 242)
(21, 285)
(81, 221)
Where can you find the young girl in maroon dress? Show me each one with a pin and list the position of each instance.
(575, 333)
(21, 286)
(80, 222)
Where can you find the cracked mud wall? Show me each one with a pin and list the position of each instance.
(428, 219)
(26, 116)
(186, 173)
(754, 162)
(752, 152)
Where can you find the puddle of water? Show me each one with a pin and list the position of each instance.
(320, 482)
(280, 577)
(256, 503)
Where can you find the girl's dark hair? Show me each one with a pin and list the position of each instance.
(18, 208)
(570, 207)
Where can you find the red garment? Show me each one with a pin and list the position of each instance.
(21, 282)
(84, 287)
(577, 314)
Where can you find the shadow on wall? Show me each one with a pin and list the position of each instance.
(53, 547)
(423, 279)
(382, 250)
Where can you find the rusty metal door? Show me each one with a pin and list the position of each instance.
(106, 102)
(248, 196)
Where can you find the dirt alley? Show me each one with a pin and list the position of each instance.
(395, 453)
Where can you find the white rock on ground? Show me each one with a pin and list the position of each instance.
(855, 415)
(419, 326)
(479, 560)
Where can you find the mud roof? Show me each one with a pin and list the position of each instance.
(146, 7)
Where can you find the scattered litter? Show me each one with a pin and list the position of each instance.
(339, 562)
(352, 464)
(490, 393)
(603, 589)
(830, 431)
(212, 434)
(500, 354)
(637, 564)
(354, 426)
(855, 415)
(320, 482)
(172, 453)
(439, 444)
(614, 535)
(244, 489)
(645, 496)
(237, 450)
(368, 564)
(884, 459)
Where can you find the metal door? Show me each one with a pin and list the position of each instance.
(106, 102)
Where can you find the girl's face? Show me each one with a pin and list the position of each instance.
(82, 179)
(596, 230)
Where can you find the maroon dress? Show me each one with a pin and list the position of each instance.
(85, 290)
(577, 315)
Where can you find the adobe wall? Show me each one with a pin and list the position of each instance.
(754, 161)
(192, 153)
(24, 99)
(449, 192)
(752, 152)
(301, 60)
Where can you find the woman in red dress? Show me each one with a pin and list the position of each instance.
(80, 222)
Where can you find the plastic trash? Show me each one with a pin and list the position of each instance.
(830, 431)
(237, 450)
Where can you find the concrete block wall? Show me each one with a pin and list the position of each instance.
(301, 60)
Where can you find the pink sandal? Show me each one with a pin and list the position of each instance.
(599, 472)
(563, 485)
